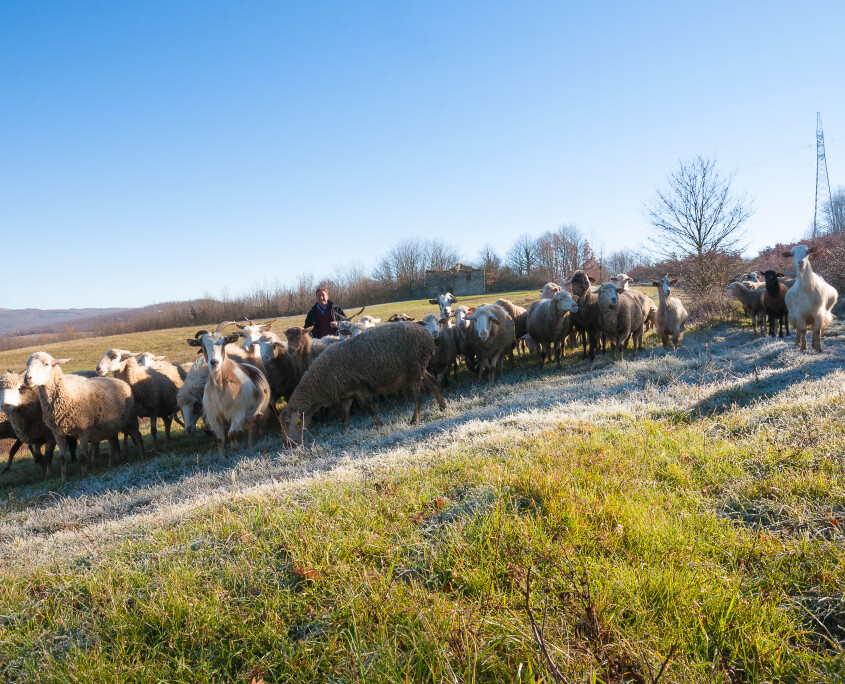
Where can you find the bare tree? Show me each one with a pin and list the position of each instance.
(698, 218)
(441, 255)
(522, 256)
(489, 262)
(835, 212)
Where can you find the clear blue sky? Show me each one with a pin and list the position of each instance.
(154, 151)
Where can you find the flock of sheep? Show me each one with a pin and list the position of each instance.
(240, 377)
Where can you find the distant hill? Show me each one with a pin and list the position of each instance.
(24, 321)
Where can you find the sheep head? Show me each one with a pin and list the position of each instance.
(40, 368)
(113, 360)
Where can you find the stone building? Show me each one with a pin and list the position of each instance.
(459, 280)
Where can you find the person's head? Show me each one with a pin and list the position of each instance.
(322, 296)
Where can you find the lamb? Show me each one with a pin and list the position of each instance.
(620, 317)
(489, 338)
(236, 395)
(649, 308)
(751, 299)
(445, 351)
(189, 396)
(774, 302)
(586, 319)
(90, 409)
(549, 322)
(384, 361)
(671, 314)
(24, 419)
(810, 300)
(154, 389)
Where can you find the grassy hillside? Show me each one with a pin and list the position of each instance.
(85, 353)
(681, 508)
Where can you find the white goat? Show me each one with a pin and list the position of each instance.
(809, 300)
(445, 301)
(236, 395)
(671, 314)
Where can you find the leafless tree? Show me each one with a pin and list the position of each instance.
(441, 256)
(522, 256)
(489, 262)
(563, 251)
(835, 212)
(698, 217)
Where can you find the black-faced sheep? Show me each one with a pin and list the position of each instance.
(384, 361)
(774, 302)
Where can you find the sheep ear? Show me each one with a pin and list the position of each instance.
(786, 254)
(59, 362)
(673, 282)
(308, 329)
(129, 355)
(433, 301)
(592, 280)
(655, 283)
(193, 342)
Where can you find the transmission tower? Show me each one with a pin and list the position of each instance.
(822, 182)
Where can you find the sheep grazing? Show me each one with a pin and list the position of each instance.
(489, 338)
(445, 301)
(646, 303)
(384, 361)
(671, 314)
(400, 318)
(620, 317)
(586, 319)
(154, 389)
(22, 407)
(189, 396)
(774, 302)
(810, 300)
(549, 322)
(236, 395)
(751, 299)
(90, 409)
(445, 351)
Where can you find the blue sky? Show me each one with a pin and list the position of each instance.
(165, 150)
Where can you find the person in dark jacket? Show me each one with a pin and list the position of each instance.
(324, 315)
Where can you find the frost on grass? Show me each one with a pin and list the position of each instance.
(713, 372)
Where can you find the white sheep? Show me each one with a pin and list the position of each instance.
(90, 409)
(549, 322)
(671, 314)
(751, 299)
(189, 396)
(810, 300)
(649, 308)
(490, 337)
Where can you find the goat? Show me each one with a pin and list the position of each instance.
(810, 300)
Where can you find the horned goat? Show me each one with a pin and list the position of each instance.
(671, 314)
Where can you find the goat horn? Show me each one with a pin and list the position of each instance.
(200, 334)
(349, 318)
(223, 325)
(241, 326)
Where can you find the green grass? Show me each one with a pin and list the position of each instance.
(418, 573)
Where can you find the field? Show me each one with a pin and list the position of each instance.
(676, 517)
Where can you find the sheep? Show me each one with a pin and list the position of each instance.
(445, 351)
(154, 389)
(519, 316)
(8, 432)
(774, 302)
(189, 396)
(90, 409)
(646, 303)
(620, 317)
(586, 319)
(445, 301)
(671, 314)
(809, 300)
(751, 299)
(236, 395)
(350, 328)
(24, 419)
(400, 317)
(549, 290)
(384, 361)
(303, 348)
(148, 359)
(490, 336)
(549, 322)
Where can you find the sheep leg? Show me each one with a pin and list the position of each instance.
(786, 323)
(220, 448)
(62, 441)
(114, 448)
(154, 430)
(366, 401)
(72, 443)
(47, 459)
(540, 354)
(431, 386)
(133, 430)
(817, 336)
(84, 438)
(168, 421)
(345, 406)
(17, 445)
